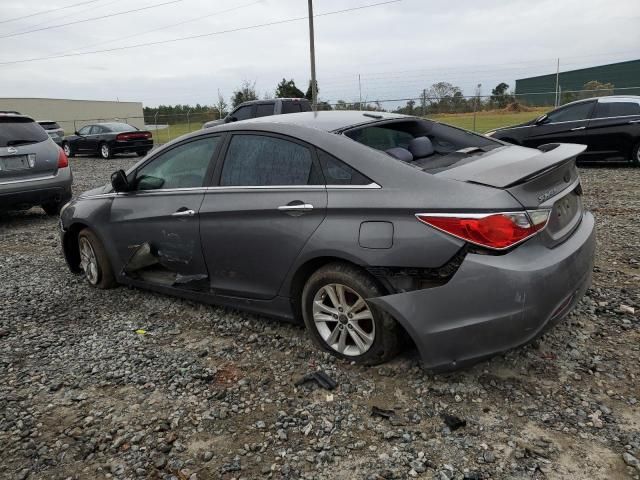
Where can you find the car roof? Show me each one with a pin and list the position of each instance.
(46, 121)
(601, 99)
(328, 121)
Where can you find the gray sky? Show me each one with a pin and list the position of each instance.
(398, 48)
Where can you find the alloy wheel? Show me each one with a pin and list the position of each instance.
(104, 150)
(88, 261)
(343, 319)
(67, 149)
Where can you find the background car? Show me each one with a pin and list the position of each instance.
(53, 129)
(108, 139)
(33, 169)
(366, 225)
(608, 126)
(263, 108)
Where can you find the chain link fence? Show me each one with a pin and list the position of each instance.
(478, 113)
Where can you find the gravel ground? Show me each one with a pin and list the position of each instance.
(209, 393)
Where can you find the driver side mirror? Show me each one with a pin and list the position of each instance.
(76, 132)
(541, 119)
(119, 181)
(230, 119)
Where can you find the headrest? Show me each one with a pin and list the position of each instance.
(400, 153)
(420, 147)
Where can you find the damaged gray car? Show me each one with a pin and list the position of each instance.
(371, 227)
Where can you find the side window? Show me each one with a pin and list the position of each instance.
(85, 130)
(257, 160)
(264, 109)
(291, 107)
(243, 113)
(616, 109)
(381, 138)
(184, 166)
(573, 113)
(96, 129)
(339, 173)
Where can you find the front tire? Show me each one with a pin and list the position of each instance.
(340, 320)
(94, 261)
(105, 151)
(635, 155)
(68, 150)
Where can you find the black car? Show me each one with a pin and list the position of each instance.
(263, 108)
(53, 129)
(608, 126)
(108, 139)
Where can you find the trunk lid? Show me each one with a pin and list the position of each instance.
(546, 177)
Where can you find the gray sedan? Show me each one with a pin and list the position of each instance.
(370, 227)
(33, 169)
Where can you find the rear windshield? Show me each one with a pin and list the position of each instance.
(119, 127)
(14, 132)
(446, 145)
(49, 125)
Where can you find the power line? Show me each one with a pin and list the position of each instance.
(166, 26)
(89, 19)
(202, 35)
(48, 11)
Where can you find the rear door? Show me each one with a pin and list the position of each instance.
(155, 226)
(25, 150)
(269, 198)
(564, 125)
(613, 129)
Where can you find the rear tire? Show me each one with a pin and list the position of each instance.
(52, 209)
(340, 320)
(142, 154)
(68, 150)
(105, 151)
(635, 155)
(94, 261)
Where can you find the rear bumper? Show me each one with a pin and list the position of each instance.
(127, 147)
(495, 303)
(30, 192)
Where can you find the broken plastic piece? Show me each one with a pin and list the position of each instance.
(381, 412)
(143, 257)
(321, 378)
(141, 331)
(453, 422)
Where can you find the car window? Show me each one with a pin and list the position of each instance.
(49, 125)
(95, 130)
(264, 109)
(381, 138)
(616, 109)
(14, 132)
(85, 130)
(291, 107)
(339, 173)
(572, 113)
(184, 166)
(242, 113)
(259, 160)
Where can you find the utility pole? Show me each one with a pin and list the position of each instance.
(557, 82)
(360, 90)
(424, 101)
(314, 88)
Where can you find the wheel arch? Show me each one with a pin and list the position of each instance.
(70, 246)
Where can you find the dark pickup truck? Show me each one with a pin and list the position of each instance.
(263, 108)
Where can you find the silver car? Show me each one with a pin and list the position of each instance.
(368, 226)
(33, 169)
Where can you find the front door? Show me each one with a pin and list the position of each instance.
(269, 199)
(155, 226)
(565, 125)
(83, 137)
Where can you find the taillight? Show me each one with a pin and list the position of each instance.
(63, 161)
(497, 231)
(122, 137)
(147, 135)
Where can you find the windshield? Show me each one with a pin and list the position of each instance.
(422, 143)
(120, 127)
(14, 132)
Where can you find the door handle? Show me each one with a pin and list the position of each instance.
(183, 213)
(300, 207)
(578, 128)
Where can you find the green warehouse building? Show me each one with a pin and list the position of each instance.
(624, 76)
